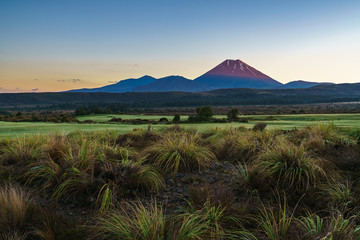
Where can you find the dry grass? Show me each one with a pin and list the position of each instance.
(16, 209)
(179, 152)
(291, 168)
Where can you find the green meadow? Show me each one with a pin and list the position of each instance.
(100, 123)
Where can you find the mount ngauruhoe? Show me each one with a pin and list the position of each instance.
(236, 74)
(228, 74)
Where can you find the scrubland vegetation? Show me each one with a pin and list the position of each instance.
(179, 183)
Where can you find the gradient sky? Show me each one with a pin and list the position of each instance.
(53, 45)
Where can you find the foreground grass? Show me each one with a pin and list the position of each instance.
(181, 183)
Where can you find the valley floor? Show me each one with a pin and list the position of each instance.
(100, 122)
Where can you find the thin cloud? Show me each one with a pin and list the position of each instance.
(74, 80)
(16, 90)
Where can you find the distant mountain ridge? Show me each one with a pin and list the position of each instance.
(172, 84)
(228, 74)
(127, 85)
(303, 84)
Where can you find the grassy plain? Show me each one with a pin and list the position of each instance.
(273, 122)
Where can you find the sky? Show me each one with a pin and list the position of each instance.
(65, 44)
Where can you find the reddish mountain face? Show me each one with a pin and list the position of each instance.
(236, 68)
(236, 74)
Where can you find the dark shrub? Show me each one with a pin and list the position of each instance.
(232, 114)
(243, 120)
(260, 126)
(176, 118)
(114, 119)
(204, 113)
(163, 120)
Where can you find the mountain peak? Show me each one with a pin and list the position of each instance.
(233, 73)
(236, 68)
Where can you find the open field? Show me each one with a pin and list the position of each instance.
(273, 122)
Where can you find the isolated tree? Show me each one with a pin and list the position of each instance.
(232, 114)
(204, 113)
(98, 110)
(176, 118)
(81, 111)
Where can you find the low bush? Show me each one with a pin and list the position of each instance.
(260, 126)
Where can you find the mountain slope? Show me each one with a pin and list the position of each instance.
(303, 84)
(172, 83)
(127, 85)
(236, 74)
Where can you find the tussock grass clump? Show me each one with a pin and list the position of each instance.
(244, 145)
(338, 196)
(249, 184)
(133, 221)
(126, 177)
(312, 225)
(137, 221)
(56, 146)
(276, 222)
(179, 152)
(138, 138)
(334, 227)
(79, 169)
(116, 152)
(317, 137)
(22, 150)
(149, 222)
(114, 180)
(212, 221)
(22, 218)
(290, 168)
(266, 139)
(16, 210)
(13, 236)
(236, 147)
(52, 226)
(62, 158)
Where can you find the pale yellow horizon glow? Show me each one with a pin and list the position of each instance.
(53, 76)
